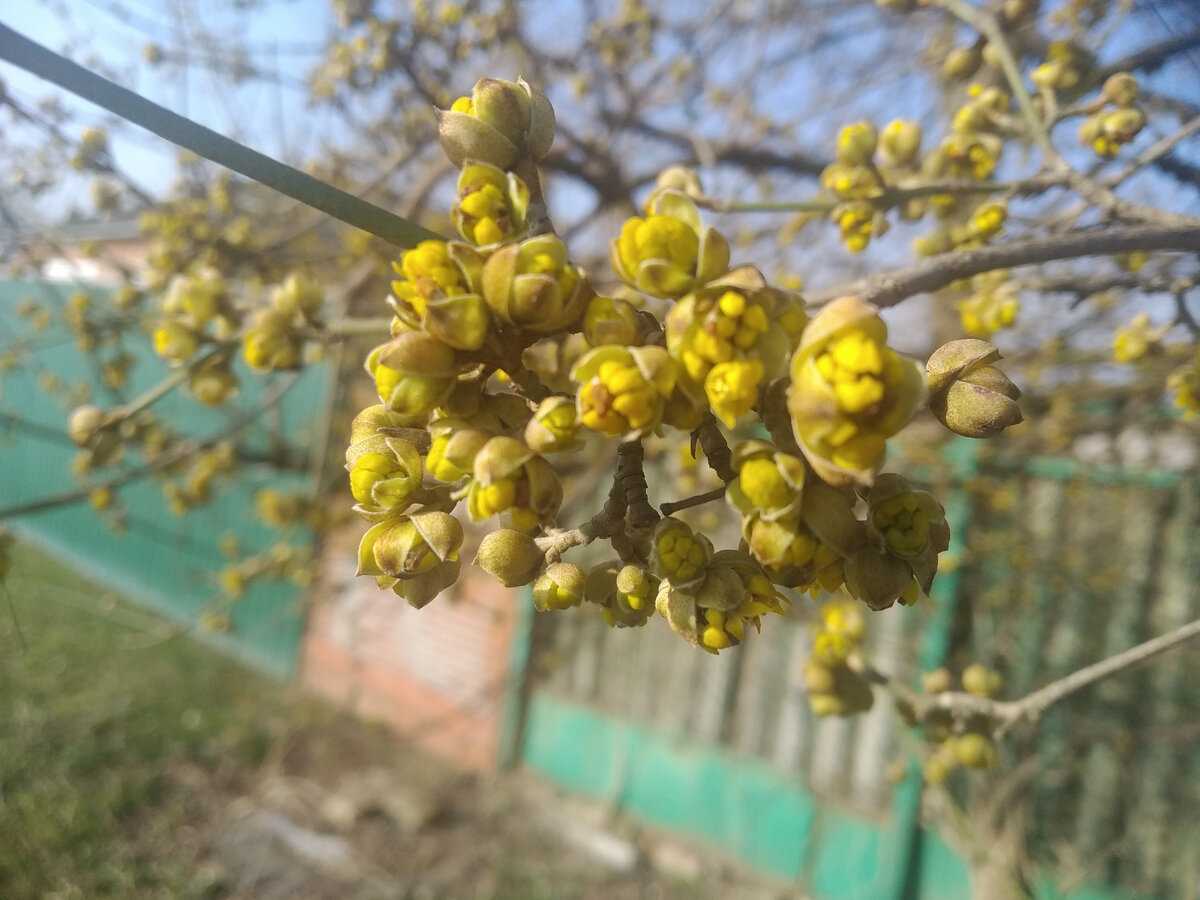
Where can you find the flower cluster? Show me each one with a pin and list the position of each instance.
(501, 354)
(963, 743)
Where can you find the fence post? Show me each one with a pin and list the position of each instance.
(962, 458)
(517, 689)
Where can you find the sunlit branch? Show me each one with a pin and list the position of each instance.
(669, 509)
(889, 288)
(1005, 714)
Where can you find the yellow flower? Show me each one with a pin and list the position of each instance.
(732, 388)
(728, 339)
(679, 554)
(436, 293)
(554, 426)
(623, 391)
(850, 392)
(509, 477)
(490, 206)
(669, 252)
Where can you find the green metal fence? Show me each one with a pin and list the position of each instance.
(727, 749)
(165, 561)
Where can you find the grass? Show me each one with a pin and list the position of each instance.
(127, 750)
(113, 729)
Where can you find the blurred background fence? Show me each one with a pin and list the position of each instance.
(167, 562)
(1054, 564)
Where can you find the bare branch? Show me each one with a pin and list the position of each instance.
(1004, 715)
(889, 288)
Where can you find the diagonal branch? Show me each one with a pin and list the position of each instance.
(1004, 715)
(889, 288)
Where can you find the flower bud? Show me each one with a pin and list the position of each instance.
(379, 418)
(967, 394)
(856, 144)
(490, 206)
(174, 341)
(962, 63)
(975, 750)
(499, 122)
(560, 587)
(452, 452)
(554, 427)
(679, 555)
(876, 578)
(214, 383)
(413, 372)
(271, 344)
(416, 556)
(385, 473)
(900, 142)
(84, 422)
(611, 320)
(1120, 89)
(979, 680)
(509, 477)
(533, 285)
(936, 682)
(300, 295)
(511, 557)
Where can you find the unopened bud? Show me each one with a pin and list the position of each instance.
(1121, 89)
(856, 144)
(511, 557)
(900, 142)
(967, 394)
(84, 422)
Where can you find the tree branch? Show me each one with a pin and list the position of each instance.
(183, 452)
(889, 288)
(1005, 715)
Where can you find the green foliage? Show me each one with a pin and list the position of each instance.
(107, 711)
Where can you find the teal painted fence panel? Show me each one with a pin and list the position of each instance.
(726, 748)
(164, 561)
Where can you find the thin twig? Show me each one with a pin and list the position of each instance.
(1156, 150)
(1032, 706)
(987, 25)
(185, 451)
(1004, 715)
(669, 509)
(716, 450)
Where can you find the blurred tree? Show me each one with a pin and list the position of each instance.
(1027, 174)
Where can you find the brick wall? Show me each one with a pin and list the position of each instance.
(439, 676)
